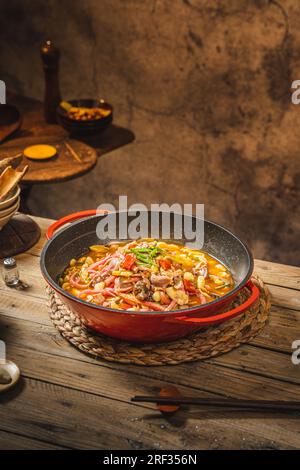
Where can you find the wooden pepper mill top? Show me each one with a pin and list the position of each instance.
(52, 97)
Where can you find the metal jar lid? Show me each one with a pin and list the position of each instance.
(9, 263)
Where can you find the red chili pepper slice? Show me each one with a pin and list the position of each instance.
(124, 305)
(154, 306)
(189, 286)
(110, 281)
(164, 298)
(129, 261)
(165, 264)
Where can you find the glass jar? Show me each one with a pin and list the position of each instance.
(10, 272)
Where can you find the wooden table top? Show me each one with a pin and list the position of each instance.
(66, 399)
(35, 130)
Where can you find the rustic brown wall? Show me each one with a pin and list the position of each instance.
(205, 87)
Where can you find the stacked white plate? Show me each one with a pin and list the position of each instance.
(9, 206)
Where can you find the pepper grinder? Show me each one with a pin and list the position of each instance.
(52, 97)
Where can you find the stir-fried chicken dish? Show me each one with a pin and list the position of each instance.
(146, 275)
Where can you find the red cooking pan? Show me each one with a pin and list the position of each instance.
(147, 327)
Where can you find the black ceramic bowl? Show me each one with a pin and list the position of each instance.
(92, 126)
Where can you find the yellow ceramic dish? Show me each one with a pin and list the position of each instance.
(40, 152)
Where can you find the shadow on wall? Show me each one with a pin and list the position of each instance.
(114, 137)
(204, 86)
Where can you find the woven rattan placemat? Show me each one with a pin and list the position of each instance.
(206, 343)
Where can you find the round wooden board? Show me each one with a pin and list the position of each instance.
(20, 234)
(62, 167)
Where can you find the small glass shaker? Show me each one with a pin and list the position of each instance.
(10, 272)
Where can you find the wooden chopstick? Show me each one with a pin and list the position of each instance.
(72, 152)
(223, 403)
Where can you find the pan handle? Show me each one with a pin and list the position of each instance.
(70, 218)
(206, 321)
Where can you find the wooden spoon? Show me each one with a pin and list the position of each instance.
(9, 180)
(10, 120)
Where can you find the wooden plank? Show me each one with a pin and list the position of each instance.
(30, 273)
(28, 339)
(280, 332)
(261, 362)
(91, 377)
(10, 441)
(104, 381)
(75, 419)
(278, 274)
(86, 421)
(281, 296)
(24, 307)
(65, 416)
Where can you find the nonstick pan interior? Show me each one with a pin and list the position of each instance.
(74, 240)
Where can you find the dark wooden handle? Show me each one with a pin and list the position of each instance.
(223, 403)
